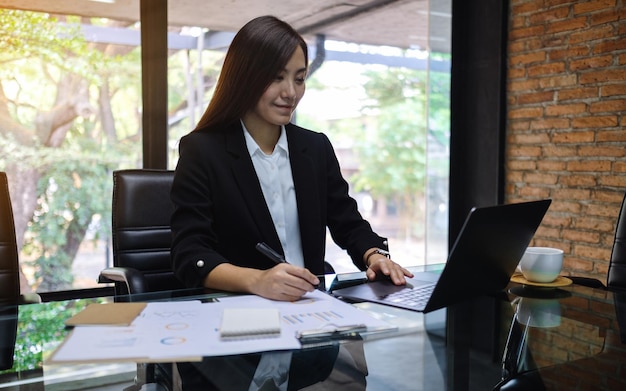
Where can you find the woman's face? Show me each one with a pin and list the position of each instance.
(280, 99)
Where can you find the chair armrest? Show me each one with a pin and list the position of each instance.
(133, 278)
(588, 282)
(29, 298)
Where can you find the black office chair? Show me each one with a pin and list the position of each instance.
(616, 279)
(10, 295)
(9, 264)
(9, 277)
(141, 232)
(616, 276)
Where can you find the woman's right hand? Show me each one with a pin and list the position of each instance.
(284, 282)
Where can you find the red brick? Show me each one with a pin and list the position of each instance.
(536, 97)
(572, 194)
(591, 63)
(514, 176)
(556, 150)
(589, 165)
(525, 151)
(602, 76)
(584, 251)
(574, 137)
(558, 81)
(551, 220)
(613, 105)
(614, 181)
(601, 151)
(534, 192)
(522, 165)
(577, 93)
(519, 33)
(619, 166)
(569, 52)
(566, 207)
(529, 112)
(550, 123)
(608, 196)
(604, 17)
(578, 180)
(566, 25)
(591, 34)
(610, 46)
(540, 178)
(581, 265)
(546, 69)
(549, 16)
(593, 224)
(551, 165)
(517, 22)
(516, 47)
(594, 122)
(591, 6)
(527, 58)
(524, 8)
(611, 135)
(563, 109)
(523, 85)
(517, 125)
(516, 73)
(529, 138)
(601, 268)
(613, 89)
(605, 210)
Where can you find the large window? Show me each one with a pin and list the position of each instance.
(71, 113)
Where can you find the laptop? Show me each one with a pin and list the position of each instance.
(482, 260)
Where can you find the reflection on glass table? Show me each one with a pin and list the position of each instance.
(559, 340)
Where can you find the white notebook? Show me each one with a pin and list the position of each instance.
(245, 323)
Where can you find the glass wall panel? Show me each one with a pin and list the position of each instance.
(70, 109)
(438, 135)
(71, 113)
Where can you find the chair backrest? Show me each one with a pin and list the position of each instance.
(616, 278)
(9, 261)
(141, 226)
(9, 277)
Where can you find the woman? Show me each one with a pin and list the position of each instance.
(246, 175)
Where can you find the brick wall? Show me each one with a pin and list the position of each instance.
(566, 136)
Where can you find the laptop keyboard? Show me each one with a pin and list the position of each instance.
(415, 298)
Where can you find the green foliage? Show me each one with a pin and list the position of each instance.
(392, 155)
(392, 152)
(29, 35)
(40, 328)
(405, 112)
(37, 54)
(74, 202)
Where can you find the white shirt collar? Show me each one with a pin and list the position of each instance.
(253, 147)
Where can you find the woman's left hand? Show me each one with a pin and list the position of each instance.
(383, 266)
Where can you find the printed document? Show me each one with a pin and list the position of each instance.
(190, 330)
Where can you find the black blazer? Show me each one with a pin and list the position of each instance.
(220, 213)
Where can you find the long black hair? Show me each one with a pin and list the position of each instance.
(259, 51)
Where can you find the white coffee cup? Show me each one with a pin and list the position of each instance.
(541, 264)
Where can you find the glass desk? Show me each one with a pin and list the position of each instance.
(566, 338)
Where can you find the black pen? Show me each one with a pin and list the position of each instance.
(277, 258)
(270, 253)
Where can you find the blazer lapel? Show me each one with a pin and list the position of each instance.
(307, 197)
(248, 182)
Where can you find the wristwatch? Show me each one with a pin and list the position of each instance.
(377, 251)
